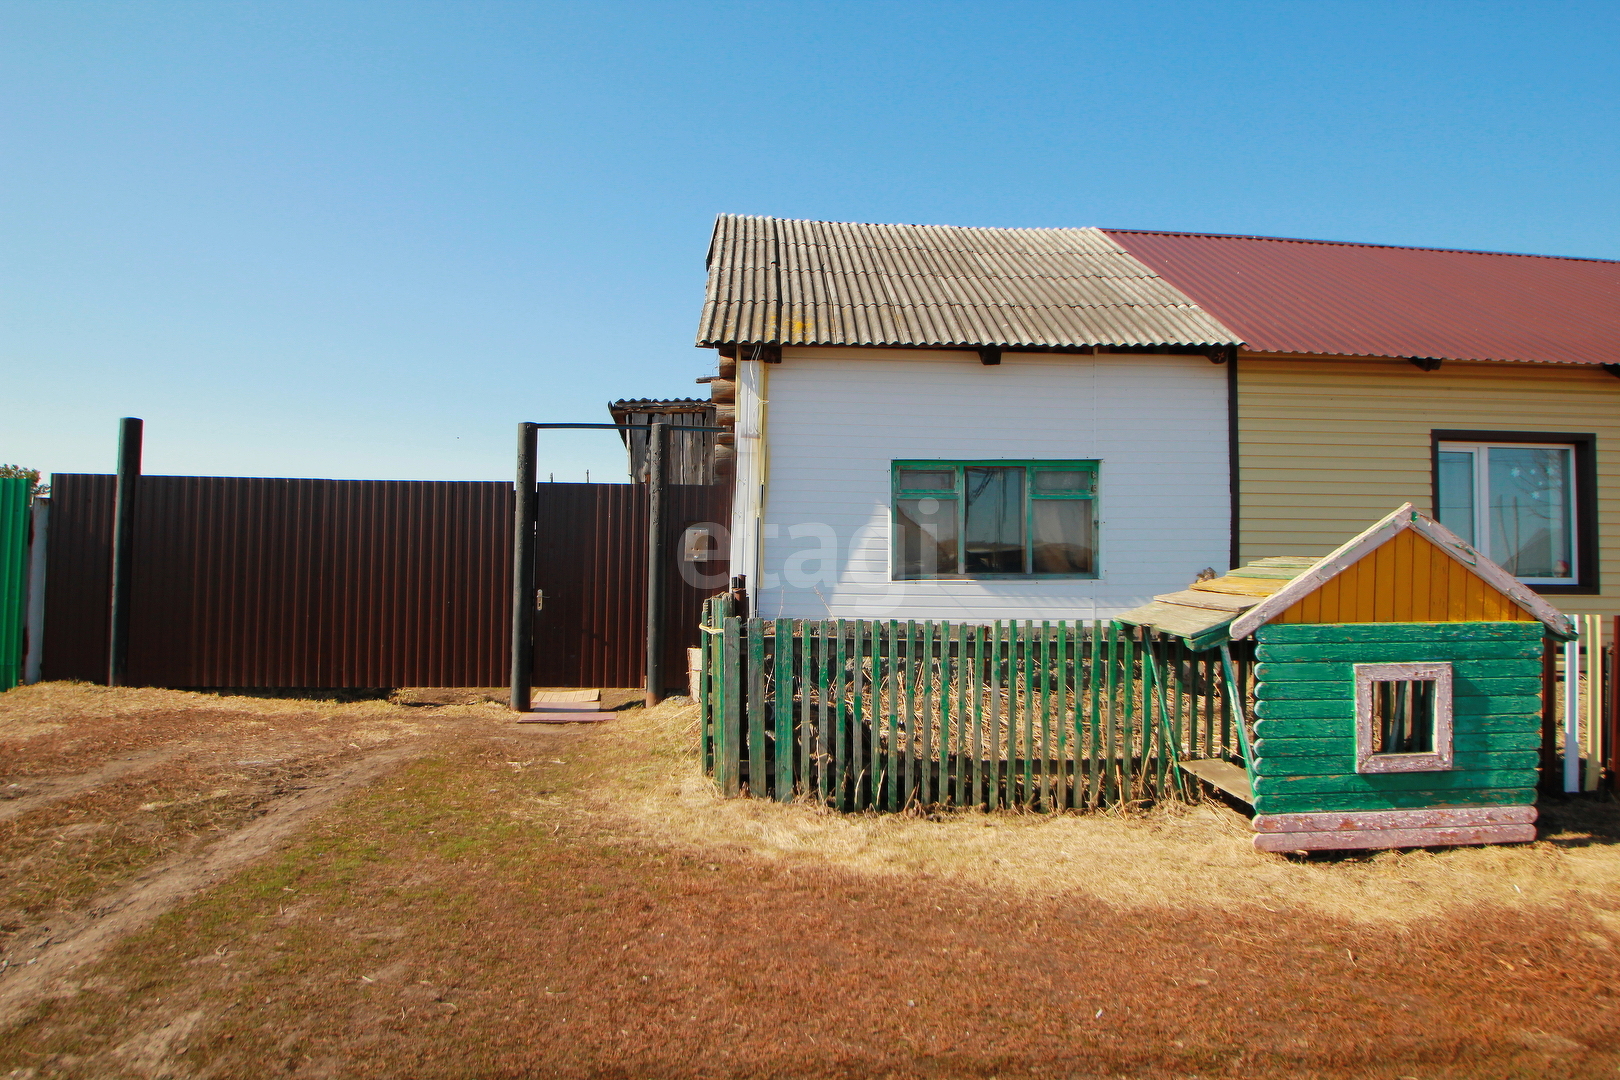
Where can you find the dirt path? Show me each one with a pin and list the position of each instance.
(36, 792)
(85, 938)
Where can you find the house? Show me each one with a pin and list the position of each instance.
(935, 422)
(963, 424)
(1397, 689)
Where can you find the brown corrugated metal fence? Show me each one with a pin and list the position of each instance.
(248, 582)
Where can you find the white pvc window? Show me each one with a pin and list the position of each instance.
(1403, 718)
(1515, 502)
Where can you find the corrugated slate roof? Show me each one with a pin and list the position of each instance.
(1307, 296)
(785, 282)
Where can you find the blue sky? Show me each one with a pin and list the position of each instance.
(366, 239)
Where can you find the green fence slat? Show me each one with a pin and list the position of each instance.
(759, 780)
(859, 758)
(731, 779)
(841, 716)
(963, 721)
(824, 748)
(991, 692)
(1028, 651)
(806, 717)
(782, 708)
(908, 737)
(925, 732)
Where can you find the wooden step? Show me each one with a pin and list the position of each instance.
(1224, 775)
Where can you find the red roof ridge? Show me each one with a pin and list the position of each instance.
(1352, 243)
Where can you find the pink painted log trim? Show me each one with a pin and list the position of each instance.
(1426, 818)
(1346, 840)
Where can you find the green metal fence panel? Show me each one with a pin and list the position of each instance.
(13, 576)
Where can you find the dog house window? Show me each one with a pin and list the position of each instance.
(1403, 718)
(994, 519)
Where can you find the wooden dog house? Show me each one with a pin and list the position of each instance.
(1396, 695)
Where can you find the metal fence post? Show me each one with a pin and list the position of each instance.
(523, 539)
(123, 548)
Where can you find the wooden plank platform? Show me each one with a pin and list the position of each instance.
(566, 707)
(1228, 777)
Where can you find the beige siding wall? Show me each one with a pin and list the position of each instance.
(1328, 446)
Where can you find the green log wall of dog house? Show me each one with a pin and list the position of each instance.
(1305, 715)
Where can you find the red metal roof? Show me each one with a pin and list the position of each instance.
(1310, 296)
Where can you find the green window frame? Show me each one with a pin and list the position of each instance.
(993, 519)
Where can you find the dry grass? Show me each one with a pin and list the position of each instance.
(576, 902)
(1172, 855)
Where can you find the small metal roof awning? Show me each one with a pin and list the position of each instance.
(1207, 614)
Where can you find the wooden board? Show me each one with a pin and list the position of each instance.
(1178, 619)
(1338, 672)
(1228, 777)
(1426, 818)
(1351, 783)
(549, 697)
(1345, 743)
(1344, 710)
(1379, 839)
(1421, 633)
(1339, 802)
(1485, 686)
(1246, 587)
(1266, 573)
(1413, 652)
(1325, 766)
(1213, 600)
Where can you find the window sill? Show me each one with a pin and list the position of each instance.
(1564, 590)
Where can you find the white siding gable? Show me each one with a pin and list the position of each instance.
(834, 420)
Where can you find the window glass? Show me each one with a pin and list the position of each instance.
(1062, 482)
(1530, 511)
(1063, 542)
(925, 542)
(1456, 489)
(994, 519)
(993, 530)
(927, 479)
(1403, 716)
(1515, 502)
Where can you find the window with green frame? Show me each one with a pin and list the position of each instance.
(974, 519)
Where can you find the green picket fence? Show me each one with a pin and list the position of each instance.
(13, 576)
(862, 714)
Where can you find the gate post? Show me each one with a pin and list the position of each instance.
(123, 548)
(657, 440)
(523, 530)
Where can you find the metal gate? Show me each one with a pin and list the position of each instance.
(591, 573)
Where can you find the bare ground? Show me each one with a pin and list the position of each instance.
(215, 887)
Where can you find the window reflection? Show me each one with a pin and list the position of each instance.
(993, 534)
